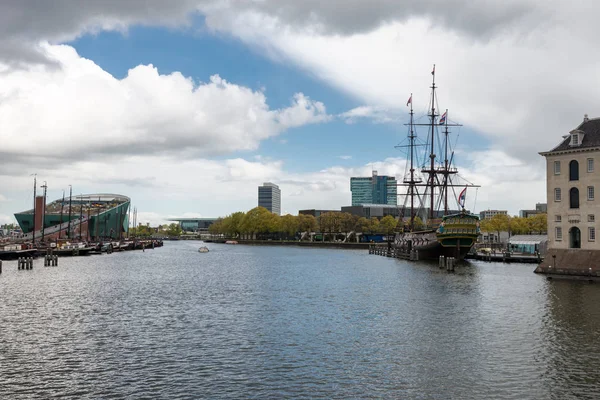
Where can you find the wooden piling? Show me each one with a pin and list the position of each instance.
(450, 262)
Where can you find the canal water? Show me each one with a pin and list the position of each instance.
(285, 322)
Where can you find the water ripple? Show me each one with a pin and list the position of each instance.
(270, 322)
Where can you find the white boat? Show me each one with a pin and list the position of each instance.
(203, 249)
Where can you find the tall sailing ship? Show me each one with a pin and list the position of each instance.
(429, 190)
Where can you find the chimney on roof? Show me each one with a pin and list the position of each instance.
(585, 118)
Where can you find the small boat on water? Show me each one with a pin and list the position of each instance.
(203, 249)
(231, 242)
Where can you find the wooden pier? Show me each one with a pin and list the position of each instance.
(390, 251)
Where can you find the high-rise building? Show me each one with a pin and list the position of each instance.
(374, 190)
(269, 197)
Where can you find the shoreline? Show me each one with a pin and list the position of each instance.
(337, 245)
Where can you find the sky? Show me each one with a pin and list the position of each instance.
(187, 106)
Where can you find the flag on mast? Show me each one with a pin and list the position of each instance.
(443, 118)
(409, 100)
(462, 197)
(433, 70)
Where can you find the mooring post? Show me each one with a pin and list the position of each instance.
(0, 266)
(442, 263)
(450, 264)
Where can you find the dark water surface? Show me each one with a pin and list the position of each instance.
(276, 322)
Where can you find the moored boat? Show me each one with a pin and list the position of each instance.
(448, 233)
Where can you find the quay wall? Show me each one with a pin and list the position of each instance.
(570, 263)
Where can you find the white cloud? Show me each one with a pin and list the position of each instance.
(6, 219)
(378, 115)
(80, 111)
(514, 81)
(505, 69)
(345, 157)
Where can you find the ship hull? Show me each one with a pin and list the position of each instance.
(430, 247)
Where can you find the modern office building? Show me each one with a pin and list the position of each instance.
(198, 225)
(269, 197)
(489, 214)
(571, 181)
(374, 190)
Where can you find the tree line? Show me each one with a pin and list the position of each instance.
(536, 224)
(171, 230)
(259, 220)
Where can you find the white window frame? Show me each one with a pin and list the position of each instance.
(591, 218)
(590, 193)
(558, 218)
(590, 165)
(558, 233)
(575, 139)
(557, 194)
(556, 167)
(591, 234)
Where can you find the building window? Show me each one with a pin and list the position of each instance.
(573, 170)
(591, 234)
(556, 167)
(557, 218)
(558, 230)
(574, 139)
(574, 198)
(591, 218)
(590, 165)
(590, 193)
(557, 194)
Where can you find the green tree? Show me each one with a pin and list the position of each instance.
(539, 223)
(362, 224)
(307, 223)
(387, 225)
(216, 227)
(519, 226)
(174, 230)
(347, 222)
(256, 221)
(235, 225)
(373, 226)
(289, 224)
(499, 223)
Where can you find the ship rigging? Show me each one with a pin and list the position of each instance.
(431, 184)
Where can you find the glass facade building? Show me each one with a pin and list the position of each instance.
(269, 197)
(374, 190)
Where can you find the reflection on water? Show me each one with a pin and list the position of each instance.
(271, 322)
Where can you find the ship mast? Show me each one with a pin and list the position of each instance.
(412, 168)
(445, 188)
(432, 116)
(34, 208)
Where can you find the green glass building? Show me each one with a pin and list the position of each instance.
(92, 216)
(376, 189)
